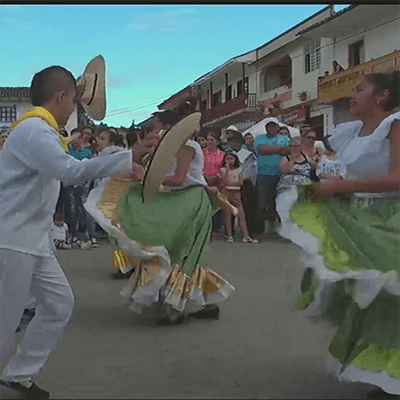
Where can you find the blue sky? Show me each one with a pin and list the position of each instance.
(151, 51)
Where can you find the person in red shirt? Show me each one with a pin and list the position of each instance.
(213, 159)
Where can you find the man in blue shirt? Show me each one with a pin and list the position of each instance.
(270, 149)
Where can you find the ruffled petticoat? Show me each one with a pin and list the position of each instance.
(352, 269)
(167, 239)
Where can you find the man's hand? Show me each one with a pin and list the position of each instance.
(284, 151)
(80, 87)
(146, 146)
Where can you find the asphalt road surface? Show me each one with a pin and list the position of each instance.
(260, 348)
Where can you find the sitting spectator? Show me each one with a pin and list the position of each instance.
(231, 183)
(248, 164)
(284, 131)
(60, 235)
(295, 168)
(201, 139)
(329, 166)
(213, 158)
(336, 67)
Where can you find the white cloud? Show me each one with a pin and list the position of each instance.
(167, 21)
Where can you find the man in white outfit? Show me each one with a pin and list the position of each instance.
(32, 164)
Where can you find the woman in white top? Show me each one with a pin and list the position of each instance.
(355, 240)
(330, 167)
(169, 236)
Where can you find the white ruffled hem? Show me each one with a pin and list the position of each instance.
(369, 282)
(353, 374)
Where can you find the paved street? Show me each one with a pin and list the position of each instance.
(261, 348)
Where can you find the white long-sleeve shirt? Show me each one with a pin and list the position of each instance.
(32, 162)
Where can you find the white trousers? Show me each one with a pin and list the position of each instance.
(23, 276)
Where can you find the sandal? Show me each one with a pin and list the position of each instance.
(250, 240)
(230, 240)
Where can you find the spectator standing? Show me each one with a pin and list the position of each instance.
(230, 131)
(3, 137)
(78, 192)
(308, 139)
(336, 67)
(231, 183)
(248, 163)
(249, 142)
(270, 149)
(213, 158)
(88, 140)
(295, 168)
(283, 131)
(201, 139)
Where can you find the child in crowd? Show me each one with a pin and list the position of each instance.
(231, 182)
(60, 235)
(201, 140)
(329, 166)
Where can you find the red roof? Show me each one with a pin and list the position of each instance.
(15, 92)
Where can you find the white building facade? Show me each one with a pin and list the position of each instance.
(15, 101)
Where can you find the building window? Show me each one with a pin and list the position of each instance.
(239, 88)
(356, 54)
(229, 92)
(312, 56)
(8, 113)
(217, 98)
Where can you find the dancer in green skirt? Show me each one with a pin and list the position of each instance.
(351, 240)
(169, 234)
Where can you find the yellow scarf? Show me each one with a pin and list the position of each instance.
(45, 115)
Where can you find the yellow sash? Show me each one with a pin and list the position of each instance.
(45, 115)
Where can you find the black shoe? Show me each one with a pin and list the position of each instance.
(379, 394)
(34, 392)
(210, 311)
(168, 321)
(120, 275)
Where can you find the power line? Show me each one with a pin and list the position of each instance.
(138, 105)
(152, 102)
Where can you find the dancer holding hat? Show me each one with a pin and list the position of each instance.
(32, 164)
(165, 223)
(351, 239)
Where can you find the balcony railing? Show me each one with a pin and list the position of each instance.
(241, 103)
(340, 85)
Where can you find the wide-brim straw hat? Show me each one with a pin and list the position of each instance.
(93, 99)
(165, 152)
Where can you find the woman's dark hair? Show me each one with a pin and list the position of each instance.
(236, 164)
(75, 130)
(132, 137)
(46, 83)
(390, 82)
(286, 129)
(88, 127)
(236, 137)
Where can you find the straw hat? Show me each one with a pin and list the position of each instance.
(93, 99)
(166, 150)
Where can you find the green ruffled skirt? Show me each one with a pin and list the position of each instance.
(358, 260)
